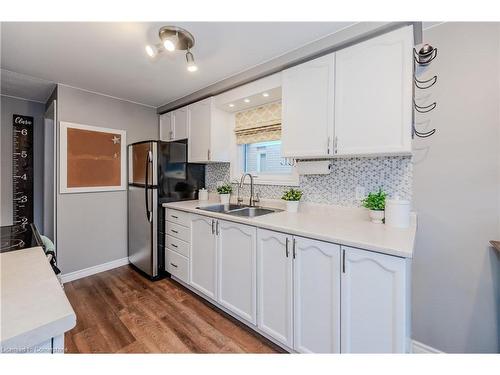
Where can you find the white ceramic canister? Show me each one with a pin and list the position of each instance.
(397, 213)
(203, 195)
(292, 206)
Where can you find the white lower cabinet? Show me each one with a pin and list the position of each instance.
(316, 273)
(203, 256)
(310, 296)
(236, 253)
(223, 264)
(275, 285)
(375, 312)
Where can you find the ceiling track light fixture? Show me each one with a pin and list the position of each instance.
(174, 38)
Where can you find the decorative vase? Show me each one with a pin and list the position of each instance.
(224, 198)
(377, 216)
(292, 206)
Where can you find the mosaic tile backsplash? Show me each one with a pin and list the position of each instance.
(392, 173)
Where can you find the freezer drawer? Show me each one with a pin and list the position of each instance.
(142, 233)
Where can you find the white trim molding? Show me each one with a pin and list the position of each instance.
(67, 277)
(419, 348)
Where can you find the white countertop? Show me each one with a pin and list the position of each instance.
(34, 307)
(340, 225)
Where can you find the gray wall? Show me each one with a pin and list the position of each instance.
(92, 227)
(9, 106)
(456, 175)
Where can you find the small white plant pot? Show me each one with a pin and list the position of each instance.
(377, 216)
(292, 206)
(224, 198)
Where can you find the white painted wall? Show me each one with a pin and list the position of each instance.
(456, 177)
(92, 227)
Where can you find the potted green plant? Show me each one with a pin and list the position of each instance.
(225, 193)
(375, 202)
(292, 197)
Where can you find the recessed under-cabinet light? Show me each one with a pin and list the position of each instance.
(265, 94)
(246, 100)
(231, 105)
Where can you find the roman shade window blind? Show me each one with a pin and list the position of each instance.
(259, 124)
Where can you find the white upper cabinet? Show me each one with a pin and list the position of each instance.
(316, 296)
(167, 126)
(209, 131)
(275, 285)
(174, 125)
(237, 268)
(375, 315)
(307, 109)
(181, 123)
(203, 256)
(373, 95)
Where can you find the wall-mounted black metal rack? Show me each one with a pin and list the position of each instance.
(423, 58)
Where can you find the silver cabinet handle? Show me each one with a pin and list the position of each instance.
(175, 217)
(208, 155)
(328, 146)
(173, 245)
(286, 248)
(173, 231)
(213, 229)
(343, 260)
(173, 265)
(217, 228)
(294, 251)
(335, 141)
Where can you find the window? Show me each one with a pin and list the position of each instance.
(258, 140)
(265, 158)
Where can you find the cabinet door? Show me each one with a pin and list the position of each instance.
(307, 109)
(274, 285)
(167, 126)
(317, 296)
(374, 315)
(373, 95)
(237, 268)
(203, 256)
(181, 117)
(199, 132)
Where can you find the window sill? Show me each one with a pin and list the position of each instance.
(267, 180)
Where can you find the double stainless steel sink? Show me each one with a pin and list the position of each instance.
(239, 210)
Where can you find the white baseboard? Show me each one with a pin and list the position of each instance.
(67, 277)
(419, 348)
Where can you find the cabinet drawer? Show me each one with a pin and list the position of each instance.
(177, 217)
(177, 265)
(177, 231)
(177, 245)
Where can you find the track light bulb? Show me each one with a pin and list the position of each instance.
(191, 65)
(170, 43)
(150, 50)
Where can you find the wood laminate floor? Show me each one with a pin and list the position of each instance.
(119, 311)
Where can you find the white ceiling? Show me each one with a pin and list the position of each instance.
(25, 87)
(109, 58)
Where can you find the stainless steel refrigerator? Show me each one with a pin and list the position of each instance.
(158, 172)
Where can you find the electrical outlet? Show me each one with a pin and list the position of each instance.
(360, 193)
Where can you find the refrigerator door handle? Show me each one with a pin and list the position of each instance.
(146, 179)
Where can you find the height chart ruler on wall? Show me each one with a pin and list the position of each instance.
(22, 169)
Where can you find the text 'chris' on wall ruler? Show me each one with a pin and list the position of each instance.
(22, 169)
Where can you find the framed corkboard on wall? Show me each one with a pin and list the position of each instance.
(91, 158)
